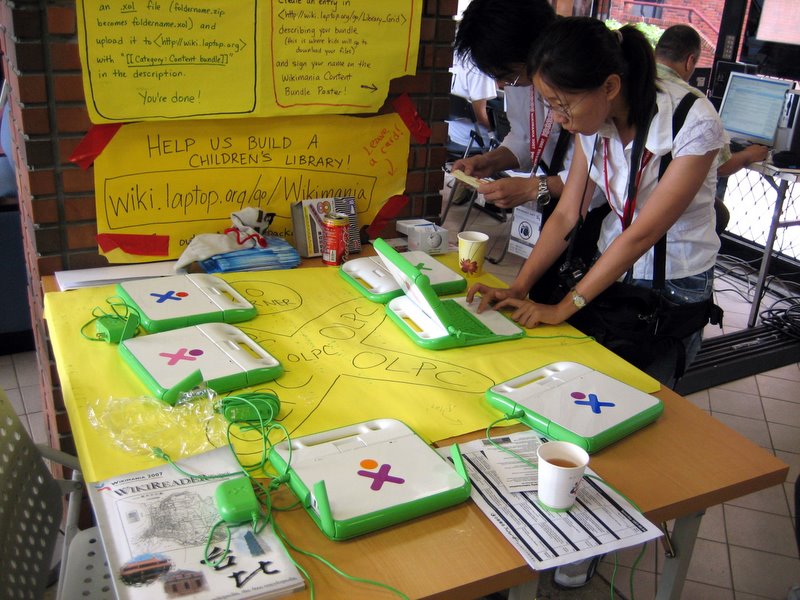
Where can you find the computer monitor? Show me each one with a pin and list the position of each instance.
(751, 107)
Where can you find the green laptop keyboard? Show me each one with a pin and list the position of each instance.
(462, 320)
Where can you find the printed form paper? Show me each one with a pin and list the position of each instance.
(601, 521)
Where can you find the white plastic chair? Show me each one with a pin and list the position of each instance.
(31, 513)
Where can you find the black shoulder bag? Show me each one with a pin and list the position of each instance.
(639, 323)
(583, 239)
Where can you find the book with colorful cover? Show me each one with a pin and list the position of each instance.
(155, 524)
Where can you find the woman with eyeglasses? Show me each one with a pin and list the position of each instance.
(601, 86)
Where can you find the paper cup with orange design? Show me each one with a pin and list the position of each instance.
(472, 252)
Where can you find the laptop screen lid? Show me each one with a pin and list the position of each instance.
(431, 325)
(415, 284)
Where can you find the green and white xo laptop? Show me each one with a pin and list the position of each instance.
(370, 277)
(219, 354)
(435, 323)
(359, 478)
(571, 402)
(166, 303)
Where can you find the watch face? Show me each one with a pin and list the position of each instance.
(578, 300)
(543, 199)
(543, 194)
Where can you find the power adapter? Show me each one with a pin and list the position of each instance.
(236, 501)
(115, 329)
(251, 407)
(110, 328)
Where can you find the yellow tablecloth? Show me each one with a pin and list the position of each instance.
(344, 361)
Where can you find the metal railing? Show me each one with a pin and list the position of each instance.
(751, 201)
(689, 10)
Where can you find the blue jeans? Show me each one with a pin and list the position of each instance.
(694, 288)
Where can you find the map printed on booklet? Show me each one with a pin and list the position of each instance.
(155, 524)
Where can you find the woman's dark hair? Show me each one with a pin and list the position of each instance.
(577, 54)
(497, 35)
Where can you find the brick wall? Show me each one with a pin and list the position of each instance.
(703, 15)
(41, 63)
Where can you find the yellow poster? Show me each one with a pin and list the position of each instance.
(170, 181)
(194, 59)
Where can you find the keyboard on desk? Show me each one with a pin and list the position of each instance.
(463, 321)
(738, 144)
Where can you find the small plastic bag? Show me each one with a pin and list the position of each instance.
(138, 425)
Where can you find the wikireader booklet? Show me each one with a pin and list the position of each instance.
(155, 524)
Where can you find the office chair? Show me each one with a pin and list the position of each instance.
(495, 108)
(461, 109)
(31, 513)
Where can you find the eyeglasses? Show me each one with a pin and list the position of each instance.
(564, 110)
(503, 77)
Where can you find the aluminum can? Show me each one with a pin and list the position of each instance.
(335, 238)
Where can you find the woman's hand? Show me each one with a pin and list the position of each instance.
(489, 296)
(531, 314)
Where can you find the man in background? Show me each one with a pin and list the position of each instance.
(477, 88)
(677, 53)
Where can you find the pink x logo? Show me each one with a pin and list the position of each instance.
(381, 477)
(181, 354)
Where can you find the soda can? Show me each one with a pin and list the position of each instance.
(335, 238)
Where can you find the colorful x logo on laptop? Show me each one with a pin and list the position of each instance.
(170, 295)
(593, 401)
(381, 476)
(181, 354)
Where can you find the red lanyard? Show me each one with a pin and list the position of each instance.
(630, 202)
(537, 144)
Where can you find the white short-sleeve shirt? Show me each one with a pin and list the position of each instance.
(692, 242)
(470, 83)
(518, 111)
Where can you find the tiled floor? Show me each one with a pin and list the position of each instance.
(746, 548)
(20, 380)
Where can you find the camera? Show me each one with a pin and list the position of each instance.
(570, 273)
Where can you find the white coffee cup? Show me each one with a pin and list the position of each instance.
(561, 466)
(472, 252)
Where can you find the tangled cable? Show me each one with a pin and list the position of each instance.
(784, 316)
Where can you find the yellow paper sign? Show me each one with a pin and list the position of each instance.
(179, 179)
(162, 59)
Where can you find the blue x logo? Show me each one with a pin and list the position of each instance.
(170, 295)
(593, 401)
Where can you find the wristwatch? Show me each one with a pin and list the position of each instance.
(543, 194)
(578, 300)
